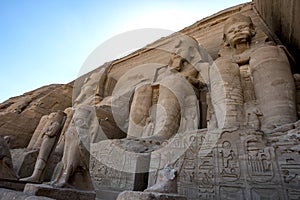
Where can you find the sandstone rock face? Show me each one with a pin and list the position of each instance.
(19, 116)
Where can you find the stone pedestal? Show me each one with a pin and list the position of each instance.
(130, 195)
(6, 194)
(12, 184)
(58, 193)
(115, 168)
(24, 162)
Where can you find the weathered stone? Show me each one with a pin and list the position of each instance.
(24, 161)
(6, 165)
(73, 170)
(130, 195)
(281, 19)
(166, 181)
(43, 101)
(49, 136)
(58, 193)
(6, 194)
(12, 184)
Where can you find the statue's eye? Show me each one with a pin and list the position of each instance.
(242, 26)
(231, 30)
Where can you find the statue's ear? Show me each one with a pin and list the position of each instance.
(192, 52)
(177, 43)
(252, 29)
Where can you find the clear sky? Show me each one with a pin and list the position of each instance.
(46, 41)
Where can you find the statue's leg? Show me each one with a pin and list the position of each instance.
(139, 110)
(70, 159)
(40, 165)
(274, 86)
(167, 115)
(226, 93)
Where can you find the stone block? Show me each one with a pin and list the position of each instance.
(131, 195)
(58, 193)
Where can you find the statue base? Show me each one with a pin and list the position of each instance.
(58, 193)
(131, 195)
(12, 184)
(6, 194)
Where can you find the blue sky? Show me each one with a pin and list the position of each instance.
(45, 42)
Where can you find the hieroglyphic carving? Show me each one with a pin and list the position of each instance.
(230, 192)
(206, 176)
(290, 168)
(228, 161)
(260, 160)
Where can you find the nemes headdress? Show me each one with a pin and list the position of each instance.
(237, 18)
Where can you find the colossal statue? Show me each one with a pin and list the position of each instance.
(75, 154)
(251, 81)
(163, 107)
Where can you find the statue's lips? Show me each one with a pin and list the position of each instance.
(241, 36)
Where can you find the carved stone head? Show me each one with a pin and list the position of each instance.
(82, 117)
(238, 29)
(57, 116)
(187, 51)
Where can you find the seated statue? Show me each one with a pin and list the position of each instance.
(159, 109)
(251, 83)
(169, 103)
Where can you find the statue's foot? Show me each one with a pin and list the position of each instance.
(31, 179)
(62, 184)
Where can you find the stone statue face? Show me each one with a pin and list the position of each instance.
(238, 30)
(81, 118)
(237, 33)
(186, 51)
(177, 62)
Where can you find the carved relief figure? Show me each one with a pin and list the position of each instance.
(166, 181)
(259, 160)
(229, 166)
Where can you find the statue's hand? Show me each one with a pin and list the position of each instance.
(197, 83)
